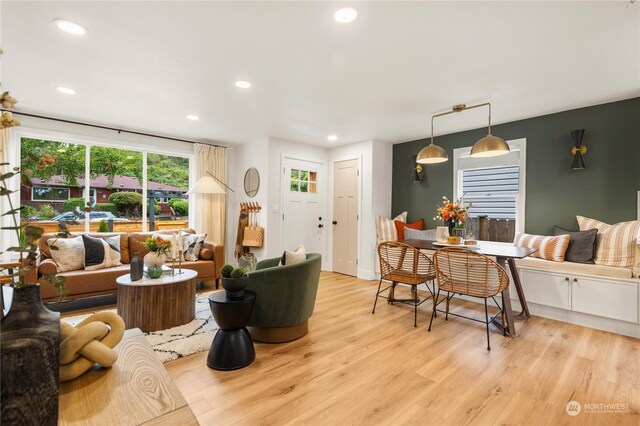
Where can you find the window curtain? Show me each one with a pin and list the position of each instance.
(210, 214)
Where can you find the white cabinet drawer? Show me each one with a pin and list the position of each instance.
(611, 299)
(545, 288)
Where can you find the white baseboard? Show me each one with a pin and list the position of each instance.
(366, 274)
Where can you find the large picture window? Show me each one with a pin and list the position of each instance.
(495, 186)
(114, 184)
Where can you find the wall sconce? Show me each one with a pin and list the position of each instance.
(417, 170)
(487, 146)
(578, 150)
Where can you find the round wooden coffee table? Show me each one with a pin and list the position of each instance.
(157, 304)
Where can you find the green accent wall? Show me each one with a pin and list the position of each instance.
(605, 190)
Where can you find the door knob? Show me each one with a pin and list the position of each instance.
(321, 226)
(335, 222)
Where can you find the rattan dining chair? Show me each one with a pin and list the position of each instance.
(402, 264)
(465, 272)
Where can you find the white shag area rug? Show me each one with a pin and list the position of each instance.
(181, 341)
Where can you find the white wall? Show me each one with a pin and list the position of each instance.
(239, 159)
(381, 193)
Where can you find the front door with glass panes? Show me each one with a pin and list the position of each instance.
(303, 218)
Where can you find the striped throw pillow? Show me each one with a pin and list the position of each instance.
(386, 229)
(615, 244)
(549, 248)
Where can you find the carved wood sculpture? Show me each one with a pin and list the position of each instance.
(90, 342)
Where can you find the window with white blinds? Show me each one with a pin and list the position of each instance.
(492, 191)
(494, 186)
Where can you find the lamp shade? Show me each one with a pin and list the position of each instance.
(578, 162)
(206, 185)
(490, 146)
(432, 154)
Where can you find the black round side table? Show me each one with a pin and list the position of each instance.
(232, 347)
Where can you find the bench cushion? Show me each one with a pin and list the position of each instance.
(575, 268)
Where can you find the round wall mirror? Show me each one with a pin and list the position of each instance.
(251, 182)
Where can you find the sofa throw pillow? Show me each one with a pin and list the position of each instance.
(192, 245)
(402, 226)
(615, 244)
(386, 229)
(549, 248)
(100, 253)
(293, 257)
(582, 244)
(427, 234)
(114, 250)
(70, 253)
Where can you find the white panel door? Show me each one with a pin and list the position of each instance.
(345, 217)
(303, 188)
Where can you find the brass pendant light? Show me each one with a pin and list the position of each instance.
(488, 146)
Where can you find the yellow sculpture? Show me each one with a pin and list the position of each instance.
(88, 343)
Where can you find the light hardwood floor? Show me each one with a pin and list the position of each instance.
(357, 368)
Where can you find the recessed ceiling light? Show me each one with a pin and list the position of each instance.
(193, 117)
(243, 84)
(332, 138)
(70, 27)
(65, 90)
(345, 15)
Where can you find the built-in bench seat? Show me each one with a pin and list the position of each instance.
(602, 297)
(575, 268)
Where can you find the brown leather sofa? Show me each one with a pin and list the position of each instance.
(81, 283)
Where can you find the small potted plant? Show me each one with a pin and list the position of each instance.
(234, 280)
(158, 251)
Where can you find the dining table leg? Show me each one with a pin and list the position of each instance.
(510, 326)
(518, 286)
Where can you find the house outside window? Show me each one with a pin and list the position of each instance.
(48, 193)
(495, 186)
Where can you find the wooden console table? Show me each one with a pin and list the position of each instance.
(136, 390)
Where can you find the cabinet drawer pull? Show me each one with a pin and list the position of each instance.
(575, 280)
(566, 278)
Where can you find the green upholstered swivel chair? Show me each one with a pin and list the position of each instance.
(286, 296)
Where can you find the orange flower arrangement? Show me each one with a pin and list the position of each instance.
(157, 245)
(452, 212)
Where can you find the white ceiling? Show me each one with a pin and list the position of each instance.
(146, 65)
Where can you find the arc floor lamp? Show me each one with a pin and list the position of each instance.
(488, 146)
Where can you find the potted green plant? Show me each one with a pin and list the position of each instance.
(234, 280)
(30, 333)
(158, 251)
